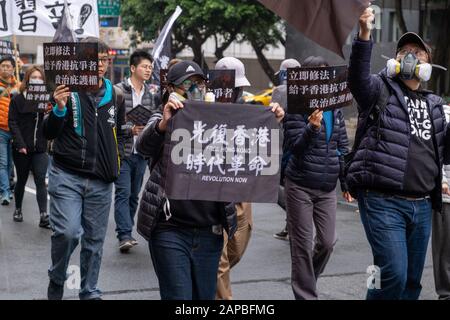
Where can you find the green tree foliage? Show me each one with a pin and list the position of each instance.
(225, 20)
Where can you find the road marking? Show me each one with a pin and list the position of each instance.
(32, 191)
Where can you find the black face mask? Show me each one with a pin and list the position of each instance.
(408, 66)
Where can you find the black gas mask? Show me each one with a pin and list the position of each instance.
(408, 66)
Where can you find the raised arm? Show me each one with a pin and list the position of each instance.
(364, 86)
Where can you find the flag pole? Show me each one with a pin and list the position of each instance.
(16, 57)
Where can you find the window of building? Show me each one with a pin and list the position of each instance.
(376, 33)
(394, 28)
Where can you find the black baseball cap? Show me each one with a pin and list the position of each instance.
(412, 37)
(182, 71)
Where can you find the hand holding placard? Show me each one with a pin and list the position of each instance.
(278, 110)
(316, 119)
(170, 108)
(61, 95)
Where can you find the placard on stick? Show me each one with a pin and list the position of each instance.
(323, 88)
(72, 64)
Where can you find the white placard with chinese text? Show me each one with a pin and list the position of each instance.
(40, 17)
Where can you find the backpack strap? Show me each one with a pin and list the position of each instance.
(118, 100)
(373, 114)
(370, 117)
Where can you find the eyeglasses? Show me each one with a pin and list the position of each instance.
(419, 53)
(187, 84)
(104, 60)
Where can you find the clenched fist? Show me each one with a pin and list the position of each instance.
(365, 21)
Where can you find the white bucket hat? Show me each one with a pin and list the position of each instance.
(286, 64)
(231, 63)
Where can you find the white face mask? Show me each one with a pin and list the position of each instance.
(36, 81)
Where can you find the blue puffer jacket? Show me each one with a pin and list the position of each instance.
(314, 163)
(382, 157)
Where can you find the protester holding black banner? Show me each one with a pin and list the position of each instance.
(401, 144)
(317, 145)
(128, 185)
(234, 248)
(85, 127)
(185, 239)
(185, 236)
(29, 147)
(8, 88)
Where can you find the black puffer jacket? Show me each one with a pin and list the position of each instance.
(314, 163)
(150, 99)
(383, 155)
(151, 144)
(26, 127)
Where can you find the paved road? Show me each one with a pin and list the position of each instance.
(263, 274)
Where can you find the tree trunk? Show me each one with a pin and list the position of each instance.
(441, 53)
(197, 50)
(224, 46)
(423, 16)
(263, 60)
(232, 34)
(175, 48)
(196, 46)
(400, 18)
(282, 41)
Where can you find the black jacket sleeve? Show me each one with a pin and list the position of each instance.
(158, 101)
(364, 86)
(13, 117)
(122, 129)
(343, 147)
(150, 141)
(447, 144)
(299, 135)
(54, 125)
